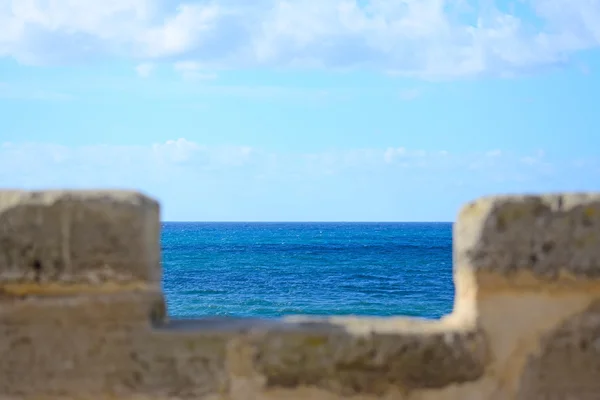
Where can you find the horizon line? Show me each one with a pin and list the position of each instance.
(306, 222)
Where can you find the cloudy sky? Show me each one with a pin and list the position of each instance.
(328, 110)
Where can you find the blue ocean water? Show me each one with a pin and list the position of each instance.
(276, 269)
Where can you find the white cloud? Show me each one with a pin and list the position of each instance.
(192, 70)
(42, 160)
(425, 38)
(392, 153)
(181, 32)
(534, 158)
(46, 164)
(196, 181)
(28, 92)
(176, 151)
(539, 161)
(144, 70)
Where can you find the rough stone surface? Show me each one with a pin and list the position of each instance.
(176, 364)
(568, 364)
(82, 317)
(329, 357)
(93, 346)
(543, 235)
(72, 344)
(78, 237)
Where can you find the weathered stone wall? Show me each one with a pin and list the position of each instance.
(82, 314)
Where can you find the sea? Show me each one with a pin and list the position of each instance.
(270, 270)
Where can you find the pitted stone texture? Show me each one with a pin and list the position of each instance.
(84, 237)
(328, 357)
(102, 347)
(180, 364)
(543, 235)
(568, 365)
(74, 344)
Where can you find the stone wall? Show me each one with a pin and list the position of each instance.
(82, 314)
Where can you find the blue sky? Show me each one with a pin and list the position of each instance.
(322, 110)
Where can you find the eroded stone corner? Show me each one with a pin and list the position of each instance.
(79, 289)
(526, 264)
(56, 239)
(544, 236)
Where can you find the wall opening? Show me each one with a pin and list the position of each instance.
(275, 269)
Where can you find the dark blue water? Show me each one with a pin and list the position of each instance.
(275, 269)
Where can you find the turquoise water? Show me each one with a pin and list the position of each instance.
(275, 269)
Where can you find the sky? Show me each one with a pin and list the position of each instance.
(301, 110)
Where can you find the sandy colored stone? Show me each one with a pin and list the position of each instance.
(78, 237)
(543, 235)
(72, 344)
(176, 364)
(92, 325)
(331, 357)
(567, 365)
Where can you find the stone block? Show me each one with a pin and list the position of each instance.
(54, 240)
(519, 330)
(360, 356)
(567, 365)
(83, 344)
(544, 236)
